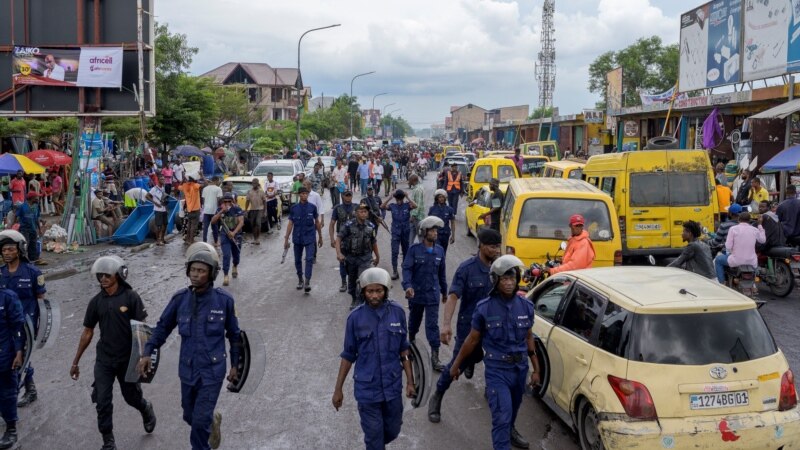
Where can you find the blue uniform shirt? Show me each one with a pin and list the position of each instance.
(470, 284)
(28, 283)
(444, 212)
(424, 270)
(373, 340)
(202, 356)
(230, 219)
(304, 220)
(504, 326)
(401, 216)
(12, 321)
(28, 217)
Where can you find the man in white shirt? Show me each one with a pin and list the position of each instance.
(53, 70)
(158, 198)
(339, 175)
(177, 172)
(315, 199)
(271, 189)
(211, 196)
(377, 171)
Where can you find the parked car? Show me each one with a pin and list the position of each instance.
(283, 171)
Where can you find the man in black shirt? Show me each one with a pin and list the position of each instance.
(497, 204)
(113, 308)
(352, 170)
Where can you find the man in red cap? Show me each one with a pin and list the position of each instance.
(580, 251)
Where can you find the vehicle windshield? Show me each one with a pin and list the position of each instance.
(669, 189)
(700, 339)
(241, 187)
(279, 170)
(548, 218)
(576, 174)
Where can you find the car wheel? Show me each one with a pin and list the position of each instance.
(784, 280)
(588, 431)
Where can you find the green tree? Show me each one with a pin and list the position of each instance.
(127, 131)
(186, 113)
(400, 127)
(538, 113)
(647, 65)
(280, 133)
(235, 114)
(334, 122)
(173, 53)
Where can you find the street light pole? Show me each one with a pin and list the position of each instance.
(297, 143)
(390, 113)
(351, 106)
(373, 107)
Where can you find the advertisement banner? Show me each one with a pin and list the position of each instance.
(724, 42)
(593, 116)
(693, 67)
(82, 67)
(614, 89)
(766, 38)
(793, 59)
(664, 97)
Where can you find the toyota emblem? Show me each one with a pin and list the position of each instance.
(718, 373)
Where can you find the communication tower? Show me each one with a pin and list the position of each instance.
(546, 64)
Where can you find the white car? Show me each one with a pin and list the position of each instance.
(283, 171)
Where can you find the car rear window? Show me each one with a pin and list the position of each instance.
(669, 189)
(532, 166)
(701, 338)
(576, 174)
(483, 174)
(548, 218)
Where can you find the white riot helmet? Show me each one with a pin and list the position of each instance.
(439, 192)
(15, 237)
(112, 265)
(428, 223)
(502, 266)
(206, 254)
(375, 275)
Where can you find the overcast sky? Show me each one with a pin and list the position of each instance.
(428, 54)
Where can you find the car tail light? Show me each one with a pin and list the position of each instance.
(788, 398)
(796, 257)
(618, 258)
(510, 250)
(635, 398)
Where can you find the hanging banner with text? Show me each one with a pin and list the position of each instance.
(99, 67)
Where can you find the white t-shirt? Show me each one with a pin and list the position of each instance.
(210, 195)
(378, 171)
(158, 195)
(177, 172)
(271, 189)
(315, 199)
(339, 174)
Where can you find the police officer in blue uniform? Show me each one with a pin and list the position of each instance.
(471, 284)
(376, 341)
(12, 321)
(375, 212)
(205, 316)
(425, 283)
(502, 322)
(232, 219)
(445, 212)
(304, 223)
(340, 215)
(27, 282)
(355, 245)
(401, 225)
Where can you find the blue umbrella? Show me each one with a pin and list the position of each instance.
(787, 159)
(187, 151)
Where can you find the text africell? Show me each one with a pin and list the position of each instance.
(105, 60)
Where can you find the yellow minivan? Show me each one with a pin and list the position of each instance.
(485, 169)
(654, 192)
(566, 168)
(535, 219)
(542, 148)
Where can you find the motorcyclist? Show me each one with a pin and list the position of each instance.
(722, 231)
(696, 256)
(580, 251)
(740, 245)
(772, 228)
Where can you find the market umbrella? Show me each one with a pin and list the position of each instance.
(49, 158)
(187, 151)
(788, 159)
(11, 163)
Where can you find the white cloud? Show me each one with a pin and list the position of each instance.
(428, 54)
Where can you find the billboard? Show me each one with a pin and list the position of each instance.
(766, 38)
(82, 67)
(614, 89)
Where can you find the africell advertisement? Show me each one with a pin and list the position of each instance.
(82, 67)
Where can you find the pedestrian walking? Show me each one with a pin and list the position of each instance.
(339, 179)
(204, 315)
(389, 176)
(401, 225)
(27, 281)
(352, 171)
(447, 213)
(27, 216)
(363, 176)
(355, 245)
(303, 223)
(454, 186)
(158, 197)
(231, 221)
(271, 189)
(376, 342)
(12, 323)
(211, 195)
(470, 284)
(374, 204)
(340, 215)
(418, 197)
(112, 308)
(254, 204)
(502, 324)
(425, 284)
(191, 192)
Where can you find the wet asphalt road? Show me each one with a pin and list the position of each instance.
(303, 335)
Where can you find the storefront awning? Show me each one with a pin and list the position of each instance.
(780, 111)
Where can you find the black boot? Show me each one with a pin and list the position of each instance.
(517, 440)
(9, 437)
(437, 366)
(29, 396)
(108, 442)
(307, 286)
(148, 417)
(435, 407)
(395, 274)
(343, 287)
(299, 283)
(469, 371)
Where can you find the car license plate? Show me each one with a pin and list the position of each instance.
(647, 227)
(719, 400)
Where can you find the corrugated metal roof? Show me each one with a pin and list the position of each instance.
(780, 111)
(262, 74)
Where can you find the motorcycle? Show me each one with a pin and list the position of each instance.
(534, 275)
(741, 278)
(775, 269)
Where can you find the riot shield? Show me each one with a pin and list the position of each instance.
(141, 332)
(423, 376)
(28, 334)
(49, 323)
(252, 363)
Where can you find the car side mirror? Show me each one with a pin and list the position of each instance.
(563, 245)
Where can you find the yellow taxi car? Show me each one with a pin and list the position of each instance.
(487, 168)
(242, 184)
(654, 358)
(566, 168)
(478, 207)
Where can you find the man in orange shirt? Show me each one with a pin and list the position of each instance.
(724, 199)
(580, 251)
(191, 192)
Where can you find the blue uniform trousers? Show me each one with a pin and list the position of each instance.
(31, 236)
(462, 331)
(8, 396)
(230, 250)
(443, 239)
(198, 402)
(452, 200)
(504, 388)
(343, 272)
(415, 311)
(399, 242)
(311, 252)
(381, 422)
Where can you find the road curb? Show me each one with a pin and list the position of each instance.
(58, 274)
